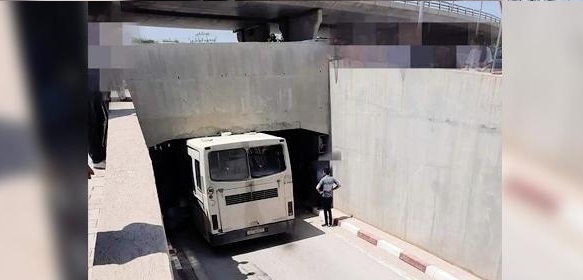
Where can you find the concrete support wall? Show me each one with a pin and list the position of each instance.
(300, 28)
(193, 90)
(256, 33)
(131, 241)
(104, 11)
(420, 157)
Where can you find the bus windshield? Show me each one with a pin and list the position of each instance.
(228, 165)
(266, 160)
(232, 165)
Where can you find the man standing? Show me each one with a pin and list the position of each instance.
(325, 187)
(98, 117)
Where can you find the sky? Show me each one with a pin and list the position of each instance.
(491, 7)
(226, 36)
(185, 35)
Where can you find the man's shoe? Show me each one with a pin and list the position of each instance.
(99, 165)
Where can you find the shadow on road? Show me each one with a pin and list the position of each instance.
(133, 241)
(302, 230)
(218, 262)
(116, 113)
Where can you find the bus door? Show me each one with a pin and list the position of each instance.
(198, 189)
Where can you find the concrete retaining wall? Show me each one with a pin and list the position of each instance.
(420, 157)
(130, 242)
(191, 90)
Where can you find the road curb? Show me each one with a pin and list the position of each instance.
(199, 271)
(390, 248)
(439, 274)
(431, 270)
(413, 261)
(367, 237)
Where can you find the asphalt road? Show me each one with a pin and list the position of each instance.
(310, 252)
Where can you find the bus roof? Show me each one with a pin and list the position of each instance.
(204, 142)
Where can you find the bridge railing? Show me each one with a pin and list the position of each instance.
(454, 8)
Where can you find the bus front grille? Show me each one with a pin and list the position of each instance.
(250, 196)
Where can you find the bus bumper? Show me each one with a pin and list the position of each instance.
(242, 234)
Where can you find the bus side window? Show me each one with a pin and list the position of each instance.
(197, 169)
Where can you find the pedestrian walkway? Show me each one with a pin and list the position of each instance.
(433, 266)
(130, 242)
(120, 96)
(95, 193)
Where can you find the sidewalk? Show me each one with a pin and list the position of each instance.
(130, 242)
(115, 96)
(422, 260)
(95, 194)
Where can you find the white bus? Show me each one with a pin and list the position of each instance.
(242, 186)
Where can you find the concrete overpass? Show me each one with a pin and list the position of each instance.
(296, 20)
(423, 142)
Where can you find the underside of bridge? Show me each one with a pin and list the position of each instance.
(184, 91)
(253, 21)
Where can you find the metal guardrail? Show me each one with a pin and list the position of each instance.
(453, 8)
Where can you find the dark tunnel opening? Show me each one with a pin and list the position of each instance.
(305, 149)
(173, 175)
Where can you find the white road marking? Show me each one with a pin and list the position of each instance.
(252, 271)
(394, 269)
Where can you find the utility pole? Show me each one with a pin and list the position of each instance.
(498, 39)
(479, 17)
(420, 19)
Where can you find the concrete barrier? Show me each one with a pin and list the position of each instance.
(420, 157)
(193, 90)
(431, 265)
(130, 240)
